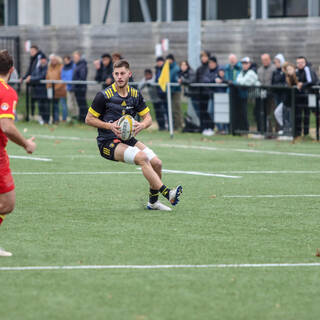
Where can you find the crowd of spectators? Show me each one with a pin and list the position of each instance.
(70, 99)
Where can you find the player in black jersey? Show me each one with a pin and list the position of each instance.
(107, 107)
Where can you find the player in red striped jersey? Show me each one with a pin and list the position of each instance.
(8, 130)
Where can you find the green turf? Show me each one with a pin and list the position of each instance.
(100, 220)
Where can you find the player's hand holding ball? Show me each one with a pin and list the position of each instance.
(115, 128)
(138, 126)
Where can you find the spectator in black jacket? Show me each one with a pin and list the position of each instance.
(306, 79)
(80, 90)
(35, 56)
(104, 70)
(40, 89)
(206, 124)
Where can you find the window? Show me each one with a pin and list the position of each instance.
(46, 12)
(135, 10)
(288, 8)
(84, 11)
(230, 9)
(1, 12)
(12, 12)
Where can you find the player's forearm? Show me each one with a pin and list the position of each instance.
(14, 135)
(97, 123)
(147, 121)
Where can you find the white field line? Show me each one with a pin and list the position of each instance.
(30, 158)
(44, 136)
(170, 266)
(125, 172)
(276, 196)
(272, 172)
(295, 154)
(75, 173)
(197, 173)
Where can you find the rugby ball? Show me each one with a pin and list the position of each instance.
(126, 127)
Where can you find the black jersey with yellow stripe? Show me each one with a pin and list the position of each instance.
(109, 106)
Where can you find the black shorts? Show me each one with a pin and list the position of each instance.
(107, 147)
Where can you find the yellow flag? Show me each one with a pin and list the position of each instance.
(164, 76)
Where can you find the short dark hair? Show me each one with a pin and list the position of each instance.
(6, 62)
(170, 56)
(106, 55)
(67, 57)
(148, 71)
(121, 63)
(303, 57)
(34, 47)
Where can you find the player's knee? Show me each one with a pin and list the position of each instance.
(6, 208)
(157, 164)
(141, 158)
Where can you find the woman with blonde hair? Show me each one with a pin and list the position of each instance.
(58, 90)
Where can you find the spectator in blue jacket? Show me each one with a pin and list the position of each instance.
(80, 90)
(232, 69)
(175, 93)
(67, 75)
(40, 89)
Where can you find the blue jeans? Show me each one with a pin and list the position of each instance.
(56, 111)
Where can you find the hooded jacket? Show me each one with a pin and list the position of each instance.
(80, 73)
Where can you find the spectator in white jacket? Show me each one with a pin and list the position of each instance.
(247, 77)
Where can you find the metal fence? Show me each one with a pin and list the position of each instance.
(267, 111)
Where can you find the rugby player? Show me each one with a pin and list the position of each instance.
(8, 102)
(106, 109)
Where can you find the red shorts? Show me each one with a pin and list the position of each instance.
(6, 179)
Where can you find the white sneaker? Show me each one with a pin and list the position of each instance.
(4, 253)
(158, 206)
(208, 132)
(174, 195)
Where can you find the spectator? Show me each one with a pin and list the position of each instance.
(265, 104)
(247, 77)
(58, 89)
(279, 79)
(35, 56)
(282, 112)
(104, 70)
(223, 128)
(306, 78)
(40, 90)
(210, 77)
(66, 75)
(175, 94)
(161, 107)
(187, 77)
(206, 124)
(233, 68)
(80, 90)
(148, 81)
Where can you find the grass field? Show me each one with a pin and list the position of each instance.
(77, 210)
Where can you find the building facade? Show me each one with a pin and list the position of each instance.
(97, 12)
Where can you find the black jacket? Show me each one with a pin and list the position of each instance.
(307, 76)
(34, 62)
(278, 78)
(104, 73)
(39, 90)
(80, 74)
